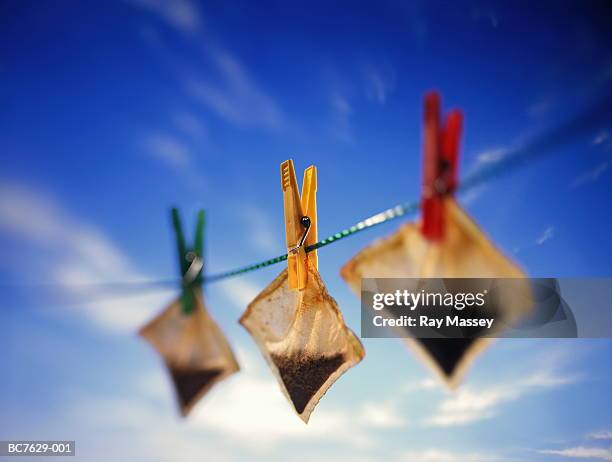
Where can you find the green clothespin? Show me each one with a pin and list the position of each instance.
(191, 260)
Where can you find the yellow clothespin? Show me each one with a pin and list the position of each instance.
(300, 222)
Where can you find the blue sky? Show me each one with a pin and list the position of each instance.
(114, 111)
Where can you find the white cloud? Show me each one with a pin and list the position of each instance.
(248, 412)
(262, 235)
(471, 195)
(484, 159)
(340, 104)
(139, 430)
(226, 87)
(492, 155)
(380, 415)
(29, 215)
(168, 149)
(190, 125)
(584, 452)
(239, 292)
(485, 14)
(581, 452)
(469, 405)
(429, 383)
(181, 14)
(174, 153)
(601, 137)
(379, 84)
(341, 117)
(254, 412)
(592, 175)
(233, 95)
(541, 108)
(489, 157)
(602, 435)
(438, 455)
(546, 235)
(81, 258)
(267, 419)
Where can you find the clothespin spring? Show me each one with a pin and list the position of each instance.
(195, 267)
(442, 184)
(440, 164)
(305, 222)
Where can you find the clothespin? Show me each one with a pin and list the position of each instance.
(191, 260)
(300, 222)
(440, 164)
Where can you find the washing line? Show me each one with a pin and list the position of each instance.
(596, 117)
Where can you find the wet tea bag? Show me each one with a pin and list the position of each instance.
(296, 324)
(194, 350)
(463, 253)
(193, 347)
(303, 337)
(447, 244)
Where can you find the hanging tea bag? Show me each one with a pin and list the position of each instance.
(194, 350)
(303, 337)
(294, 321)
(447, 244)
(465, 252)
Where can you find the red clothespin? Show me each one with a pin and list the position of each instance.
(440, 164)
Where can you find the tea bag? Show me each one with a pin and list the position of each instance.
(464, 252)
(303, 337)
(194, 349)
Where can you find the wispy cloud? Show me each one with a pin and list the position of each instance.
(79, 257)
(492, 155)
(601, 138)
(541, 108)
(341, 117)
(226, 87)
(592, 175)
(585, 452)
(439, 455)
(378, 84)
(190, 125)
(484, 159)
(471, 405)
(180, 14)
(470, 196)
(266, 418)
(485, 14)
(428, 383)
(380, 415)
(245, 413)
(233, 95)
(239, 292)
(175, 152)
(262, 235)
(581, 452)
(168, 149)
(546, 235)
